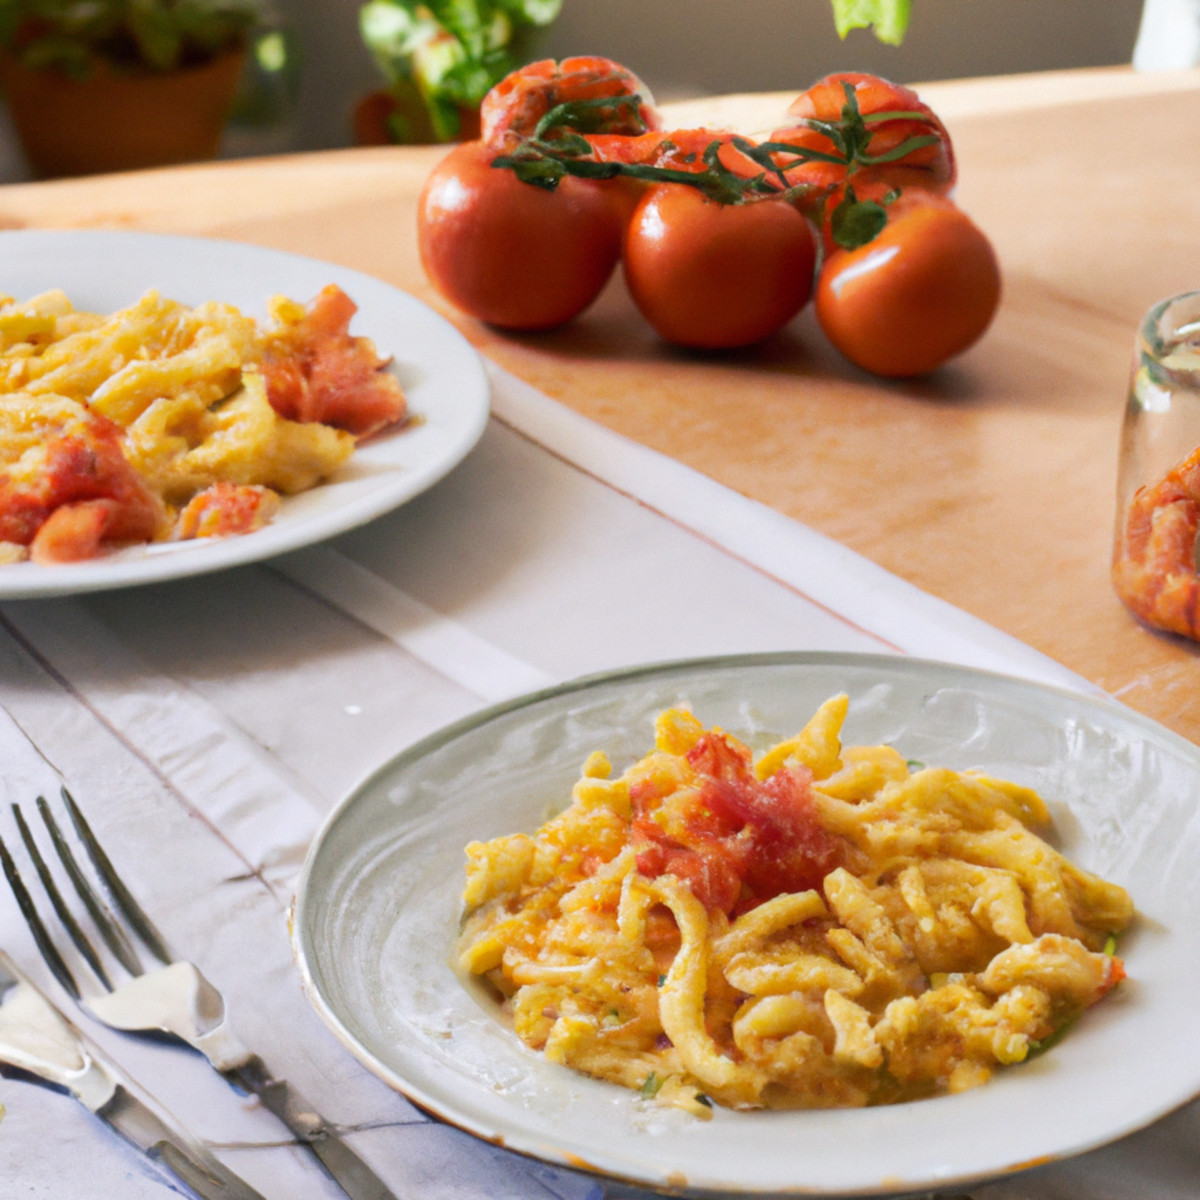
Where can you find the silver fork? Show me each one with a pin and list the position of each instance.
(172, 997)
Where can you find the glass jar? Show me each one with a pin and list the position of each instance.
(1158, 481)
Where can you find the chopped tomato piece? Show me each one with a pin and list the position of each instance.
(74, 532)
(316, 371)
(84, 477)
(225, 509)
(743, 840)
(710, 868)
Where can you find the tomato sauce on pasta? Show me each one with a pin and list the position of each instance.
(820, 926)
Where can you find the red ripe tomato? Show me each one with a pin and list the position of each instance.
(717, 276)
(684, 150)
(513, 108)
(511, 253)
(678, 150)
(921, 292)
(931, 167)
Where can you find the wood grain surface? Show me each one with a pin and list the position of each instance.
(990, 484)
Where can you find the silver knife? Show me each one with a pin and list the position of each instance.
(37, 1038)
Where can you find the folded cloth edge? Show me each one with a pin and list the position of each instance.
(808, 562)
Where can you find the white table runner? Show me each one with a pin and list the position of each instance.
(208, 726)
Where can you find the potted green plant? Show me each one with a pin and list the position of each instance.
(439, 59)
(105, 85)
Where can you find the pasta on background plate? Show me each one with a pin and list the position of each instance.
(165, 422)
(824, 926)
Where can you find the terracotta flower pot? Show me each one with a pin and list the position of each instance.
(119, 122)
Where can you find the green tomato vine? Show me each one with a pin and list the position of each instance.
(559, 147)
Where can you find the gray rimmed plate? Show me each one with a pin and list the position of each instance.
(442, 375)
(378, 907)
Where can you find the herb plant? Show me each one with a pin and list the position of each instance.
(162, 35)
(449, 52)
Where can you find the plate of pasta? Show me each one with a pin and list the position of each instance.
(171, 406)
(773, 925)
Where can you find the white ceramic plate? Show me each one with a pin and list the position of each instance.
(442, 376)
(378, 908)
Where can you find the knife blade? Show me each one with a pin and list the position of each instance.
(202, 1171)
(37, 1038)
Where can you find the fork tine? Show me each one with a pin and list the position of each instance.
(121, 895)
(114, 937)
(48, 950)
(74, 932)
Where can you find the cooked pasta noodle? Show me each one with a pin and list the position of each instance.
(827, 926)
(163, 422)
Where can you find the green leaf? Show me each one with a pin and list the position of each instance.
(856, 222)
(888, 18)
(546, 173)
(596, 114)
(467, 21)
(127, 33)
(905, 148)
(8, 23)
(455, 51)
(210, 25)
(393, 32)
(63, 54)
(158, 38)
(531, 12)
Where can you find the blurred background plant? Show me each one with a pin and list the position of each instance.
(887, 18)
(309, 66)
(99, 85)
(73, 36)
(439, 59)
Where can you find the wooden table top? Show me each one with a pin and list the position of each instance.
(991, 484)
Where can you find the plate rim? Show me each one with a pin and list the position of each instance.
(106, 573)
(543, 1154)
